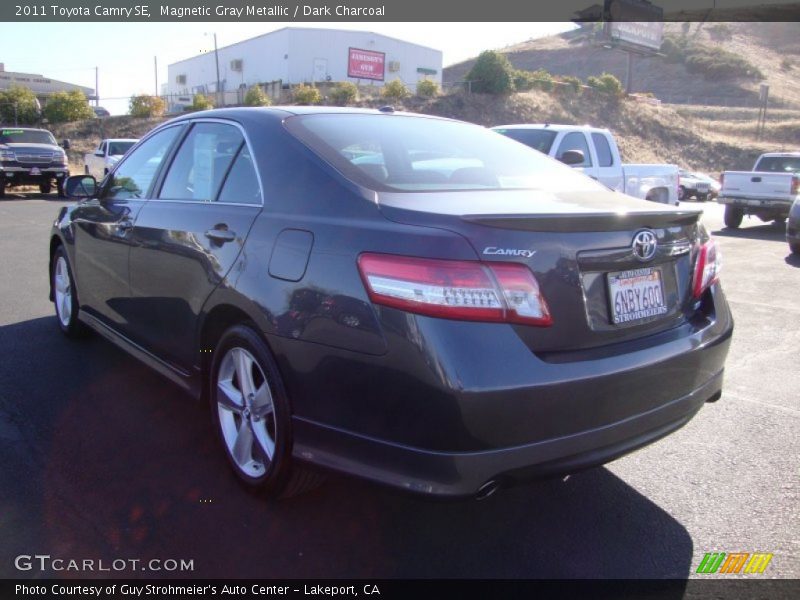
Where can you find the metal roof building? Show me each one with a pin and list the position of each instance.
(40, 85)
(296, 55)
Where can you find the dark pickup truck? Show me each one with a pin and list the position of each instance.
(31, 157)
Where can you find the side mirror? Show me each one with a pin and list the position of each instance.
(80, 186)
(65, 144)
(99, 153)
(572, 157)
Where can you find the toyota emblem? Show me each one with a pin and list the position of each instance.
(644, 245)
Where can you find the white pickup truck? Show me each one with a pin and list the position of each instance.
(105, 156)
(766, 192)
(594, 151)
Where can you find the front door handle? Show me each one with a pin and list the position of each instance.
(221, 234)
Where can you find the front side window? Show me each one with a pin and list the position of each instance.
(538, 139)
(403, 153)
(119, 148)
(135, 175)
(202, 162)
(575, 141)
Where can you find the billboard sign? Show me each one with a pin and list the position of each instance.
(366, 64)
(647, 34)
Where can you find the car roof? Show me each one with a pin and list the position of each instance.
(121, 140)
(781, 154)
(282, 112)
(553, 127)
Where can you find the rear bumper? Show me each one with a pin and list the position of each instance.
(463, 474)
(508, 415)
(781, 206)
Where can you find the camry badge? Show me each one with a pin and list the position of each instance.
(494, 251)
(644, 245)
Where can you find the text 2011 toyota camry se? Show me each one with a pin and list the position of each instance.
(413, 300)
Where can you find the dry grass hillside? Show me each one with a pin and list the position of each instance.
(774, 48)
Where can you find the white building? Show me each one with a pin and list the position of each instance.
(296, 55)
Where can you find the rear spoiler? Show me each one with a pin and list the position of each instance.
(571, 222)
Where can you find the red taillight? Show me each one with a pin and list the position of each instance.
(795, 185)
(455, 289)
(707, 267)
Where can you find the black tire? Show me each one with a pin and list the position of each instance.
(702, 197)
(2, 190)
(45, 188)
(71, 325)
(681, 193)
(733, 216)
(779, 221)
(60, 189)
(277, 476)
(794, 247)
(85, 169)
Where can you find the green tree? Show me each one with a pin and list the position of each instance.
(306, 94)
(427, 88)
(146, 106)
(343, 93)
(201, 102)
(256, 96)
(607, 84)
(492, 73)
(65, 107)
(18, 105)
(570, 85)
(395, 90)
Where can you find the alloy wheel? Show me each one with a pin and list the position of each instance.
(246, 412)
(63, 291)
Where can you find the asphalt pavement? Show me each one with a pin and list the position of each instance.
(104, 459)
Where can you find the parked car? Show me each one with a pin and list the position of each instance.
(105, 156)
(440, 331)
(697, 185)
(32, 157)
(793, 227)
(100, 112)
(594, 152)
(766, 192)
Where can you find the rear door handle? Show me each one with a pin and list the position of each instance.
(221, 234)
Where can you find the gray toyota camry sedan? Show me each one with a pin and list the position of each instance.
(417, 301)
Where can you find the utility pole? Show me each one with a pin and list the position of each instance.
(629, 78)
(216, 59)
(155, 67)
(16, 118)
(96, 87)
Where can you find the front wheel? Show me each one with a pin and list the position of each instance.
(60, 189)
(64, 296)
(252, 416)
(681, 193)
(794, 247)
(45, 188)
(779, 221)
(733, 216)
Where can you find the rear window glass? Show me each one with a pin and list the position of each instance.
(538, 139)
(26, 136)
(410, 154)
(779, 164)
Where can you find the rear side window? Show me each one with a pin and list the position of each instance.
(201, 163)
(241, 185)
(604, 156)
(575, 141)
(404, 153)
(133, 177)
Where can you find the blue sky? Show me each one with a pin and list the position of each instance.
(124, 52)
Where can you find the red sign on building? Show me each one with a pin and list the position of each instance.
(366, 64)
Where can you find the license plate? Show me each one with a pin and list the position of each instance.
(636, 294)
(35, 171)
